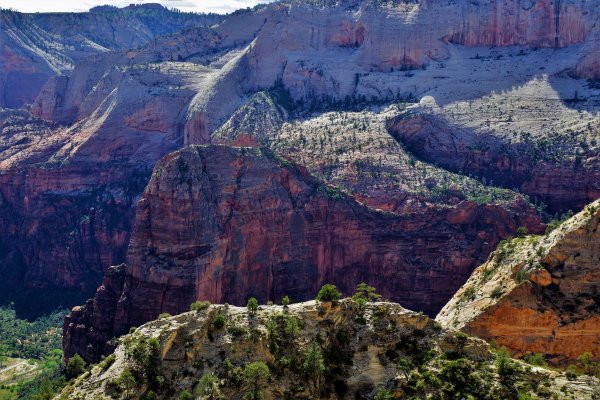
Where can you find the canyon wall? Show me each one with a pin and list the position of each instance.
(37, 47)
(408, 35)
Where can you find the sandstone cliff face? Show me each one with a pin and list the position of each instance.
(121, 28)
(223, 224)
(535, 23)
(381, 346)
(299, 44)
(29, 57)
(68, 193)
(63, 227)
(588, 66)
(126, 109)
(537, 294)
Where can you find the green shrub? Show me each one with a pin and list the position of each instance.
(521, 276)
(535, 359)
(469, 294)
(185, 395)
(504, 364)
(572, 372)
(126, 382)
(164, 315)
(556, 222)
(292, 327)
(382, 394)
(150, 395)
(314, 365)
(285, 301)
(497, 292)
(256, 374)
(107, 362)
(521, 231)
(405, 365)
(329, 293)
(588, 365)
(366, 292)
(252, 305)
(144, 353)
(274, 337)
(219, 321)
(76, 366)
(524, 396)
(199, 305)
(208, 387)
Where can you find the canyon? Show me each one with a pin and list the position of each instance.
(36, 47)
(449, 125)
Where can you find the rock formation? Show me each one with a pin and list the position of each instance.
(123, 110)
(379, 348)
(222, 224)
(537, 294)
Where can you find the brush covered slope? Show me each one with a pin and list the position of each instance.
(224, 223)
(342, 350)
(537, 294)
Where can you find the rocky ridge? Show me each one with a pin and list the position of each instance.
(537, 294)
(375, 348)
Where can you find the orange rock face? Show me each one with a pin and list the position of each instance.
(524, 324)
(222, 224)
(555, 312)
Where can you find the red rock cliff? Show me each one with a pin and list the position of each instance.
(222, 224)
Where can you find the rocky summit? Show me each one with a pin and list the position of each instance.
(436, 150)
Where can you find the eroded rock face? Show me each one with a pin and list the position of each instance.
(537, 294)
(61, 228)
(127, 109)
(222, 224)
(298, 44)
(404, 35)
